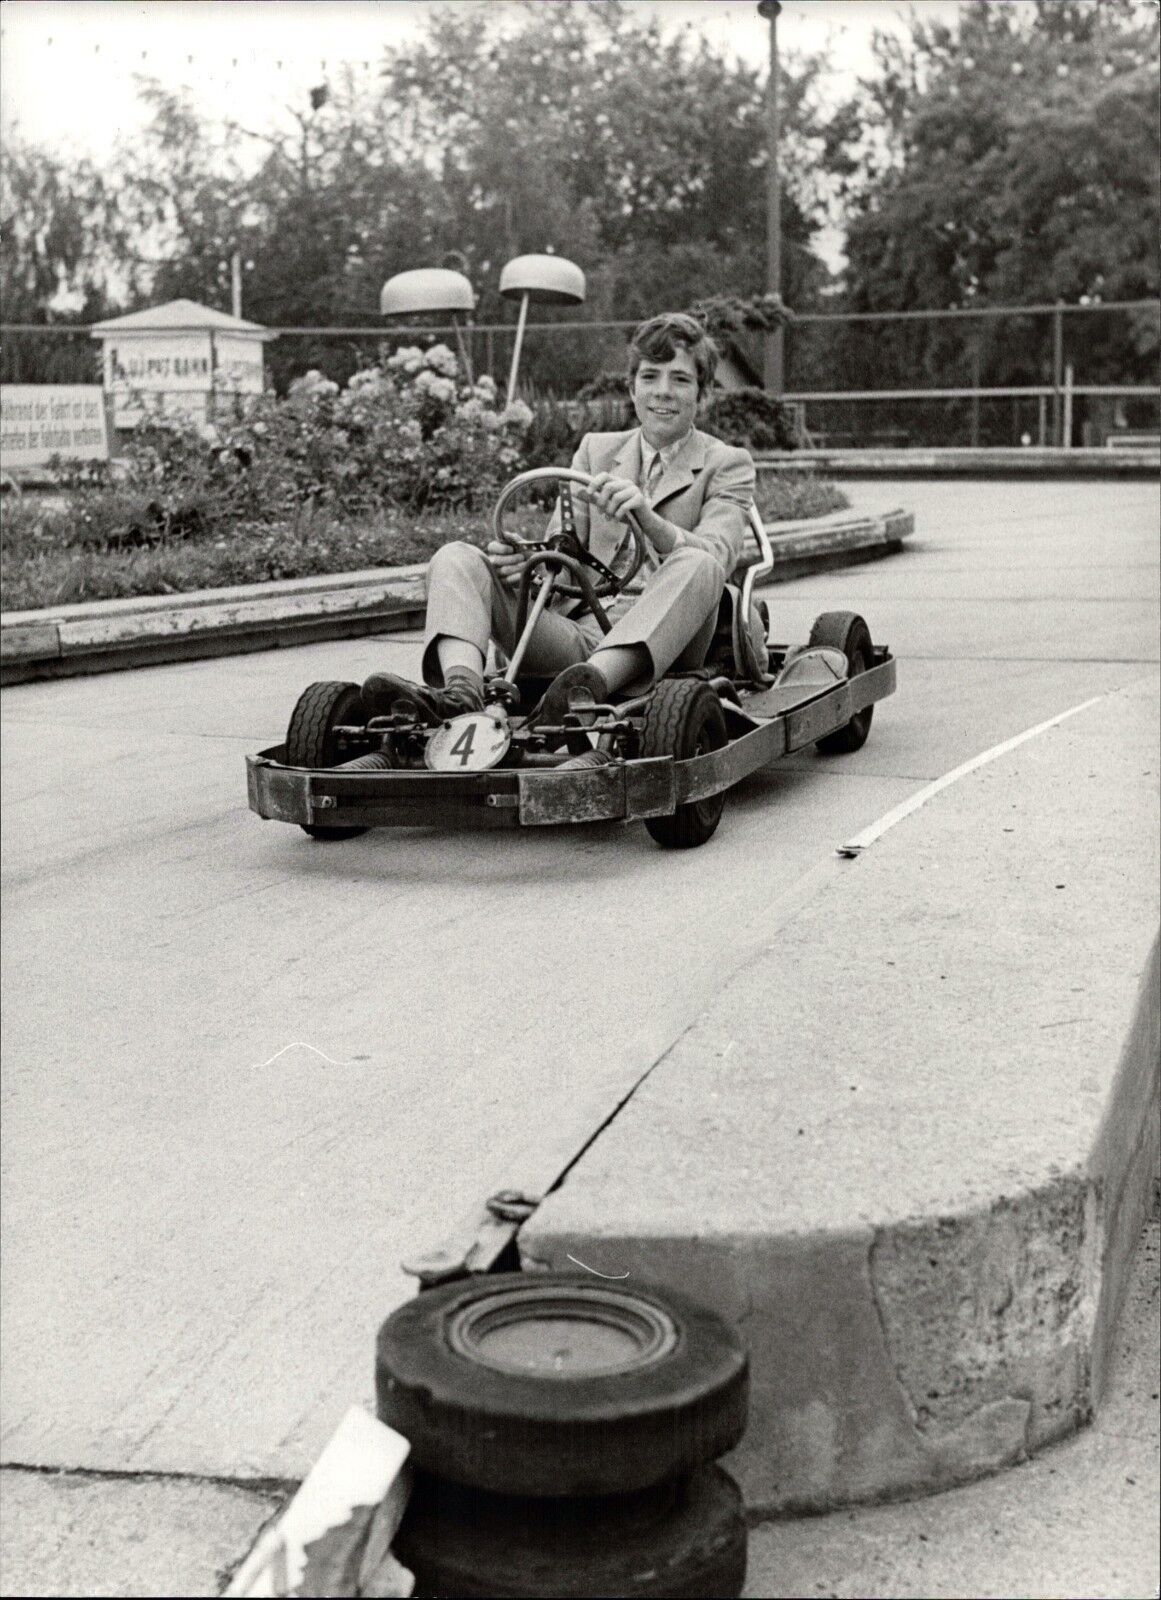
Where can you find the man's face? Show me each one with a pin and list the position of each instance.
(665, 397)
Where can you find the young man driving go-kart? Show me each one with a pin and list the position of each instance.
(690, 496)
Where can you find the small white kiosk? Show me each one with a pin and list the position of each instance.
(179, 359)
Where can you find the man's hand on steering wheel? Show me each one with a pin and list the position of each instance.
(616, 497)
(507, 563)
(622, 494)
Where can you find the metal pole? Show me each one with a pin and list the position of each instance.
(236, 283)
(1058, 377)
(515, 367)
(774, 355)
(1066, 440)
(464, 349)
(534, 614)
(975, 394)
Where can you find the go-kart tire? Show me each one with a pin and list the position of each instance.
(472, 1374)
(686, 1538)
(310, 740)
(684, 718)
(846, 631)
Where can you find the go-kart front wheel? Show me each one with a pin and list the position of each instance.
(310, 737)
(684, 718)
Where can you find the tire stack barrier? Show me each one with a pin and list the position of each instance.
(564, 1431)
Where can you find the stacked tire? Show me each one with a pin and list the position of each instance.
(564, 1431)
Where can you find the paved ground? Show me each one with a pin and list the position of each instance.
(245, 1074)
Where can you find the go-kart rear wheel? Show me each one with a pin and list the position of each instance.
(310, 737)
(684, 718)
(557, 1384)
(846, 631)
(685, 1538)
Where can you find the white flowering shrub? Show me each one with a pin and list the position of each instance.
(409, 432)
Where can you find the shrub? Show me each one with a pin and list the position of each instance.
(753, 418)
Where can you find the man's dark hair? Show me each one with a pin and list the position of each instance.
(659, 338)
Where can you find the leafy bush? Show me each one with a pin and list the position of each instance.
(752, 418)
(405, 434)
(796, 495)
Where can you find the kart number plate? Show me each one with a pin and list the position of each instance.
(470, 743)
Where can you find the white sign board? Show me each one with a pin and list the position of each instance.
(41, 420)
(176, 373)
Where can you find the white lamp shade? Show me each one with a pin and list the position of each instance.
(546, 280)
(426, 289)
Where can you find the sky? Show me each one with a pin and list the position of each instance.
(67, 66)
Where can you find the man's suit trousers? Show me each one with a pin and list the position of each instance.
(673, 617)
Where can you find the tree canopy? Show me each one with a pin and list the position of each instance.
(1012, 159)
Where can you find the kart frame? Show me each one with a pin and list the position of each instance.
(765, 723)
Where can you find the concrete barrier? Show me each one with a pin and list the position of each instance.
(1142, 461)
(908, 1150)
(101, 636)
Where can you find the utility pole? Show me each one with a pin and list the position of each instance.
(774, 374)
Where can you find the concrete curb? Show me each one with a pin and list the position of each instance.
(105, 635)
(967, 463)
(909, 1148)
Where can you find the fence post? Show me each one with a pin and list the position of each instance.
(976, 392)
(1057, 373)
(1066, 439)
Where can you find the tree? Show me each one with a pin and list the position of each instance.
(583, 128)
(61, 230)
(1012, 160)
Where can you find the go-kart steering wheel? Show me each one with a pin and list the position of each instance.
(606, 583)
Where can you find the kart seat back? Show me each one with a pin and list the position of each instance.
(739, 642)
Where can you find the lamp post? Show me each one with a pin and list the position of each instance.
(774, 338)
(431, 290)
(545, 280)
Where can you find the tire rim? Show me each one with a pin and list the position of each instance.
(858, 664)
(565, 1334)
(709, 809)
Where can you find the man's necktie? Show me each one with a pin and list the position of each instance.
(653, 476)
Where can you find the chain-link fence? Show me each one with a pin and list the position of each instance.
(1044, 374)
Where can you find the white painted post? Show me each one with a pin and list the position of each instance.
(516, 348)
(1066, 441)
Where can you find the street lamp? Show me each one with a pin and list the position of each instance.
(429, 291)
(774, 338)
(547, 280)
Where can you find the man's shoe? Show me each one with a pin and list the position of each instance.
(581, 678)
(386, 694)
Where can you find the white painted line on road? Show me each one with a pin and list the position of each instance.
(859, 843)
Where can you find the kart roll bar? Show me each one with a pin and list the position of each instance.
(765, 562)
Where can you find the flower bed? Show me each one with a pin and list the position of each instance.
(379, 474)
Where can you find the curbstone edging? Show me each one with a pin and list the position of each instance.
(921, 1202)
(106, 635)
(958, 461)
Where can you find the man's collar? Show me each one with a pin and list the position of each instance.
(668, 453)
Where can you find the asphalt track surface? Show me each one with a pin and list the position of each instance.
(245, 1074)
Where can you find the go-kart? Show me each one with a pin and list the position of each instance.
(675, 749)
